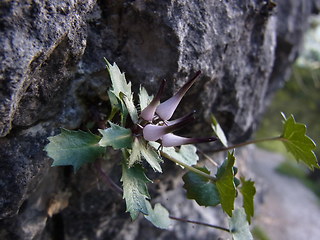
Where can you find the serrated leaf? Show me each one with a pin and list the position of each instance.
(298, 143)
(122, 89)
(135, 155)
(151, 156)
(118, 79)
(199, 188)
(218, 131)
(186, 154)
(144, 98)
(239, 226)
(116, 137)
(141, 148)
(248, 191)
(74, 148)
(135, 191)
(225, 184)
(159, 216)
(128, 101)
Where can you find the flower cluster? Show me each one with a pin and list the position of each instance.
(156, 115)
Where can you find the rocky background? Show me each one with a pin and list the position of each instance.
(52, 74)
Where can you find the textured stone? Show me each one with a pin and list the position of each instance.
(52, 75)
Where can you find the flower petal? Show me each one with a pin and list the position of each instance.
(166, 109)
(189, 116)
(153, 132)
(171, 140)
(148, 112)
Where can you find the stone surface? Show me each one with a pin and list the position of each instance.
(283, 213)
(52, 75)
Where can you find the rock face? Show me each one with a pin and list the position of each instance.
(52, 75)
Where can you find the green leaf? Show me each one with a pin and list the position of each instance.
(135, 190)
(298, 143)
(114, 100)
(239, 226)
(186, 154)
(159, 216)
(118, 79)
(144, 98)
(74, 148)
(225, 184)
(151, 156)
(116, 137)
(199, 188)
(135, 154)
(218, 131)
(128, 101)
(122, 89)
(115, 105)
(248, 191)
(139, 148)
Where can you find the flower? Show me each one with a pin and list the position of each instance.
(159, 128)
(152, 132)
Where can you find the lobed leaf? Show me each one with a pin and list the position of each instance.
(122, 89)
(74, 148)
(225, 184)
(248, 191)
(128, 101)
(159, 216)
(116, 137)
(239, 226)
(201, 189)
(135, 154)
(135, 191)
(118, 79)
(298, 143)
(218, 131)
(141, 148)
(151, 156)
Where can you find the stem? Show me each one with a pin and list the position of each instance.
(112, 113)
(200, 223)
(190, 168)
(280, 138)
(107, 180)
(208, 158)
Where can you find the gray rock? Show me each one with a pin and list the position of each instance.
(53, 75)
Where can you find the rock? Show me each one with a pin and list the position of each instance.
(53, 75)
(281, 208)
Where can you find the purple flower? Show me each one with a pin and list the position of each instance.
(148, 112)
(158, 126)
(166, 109)
(153, 132)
